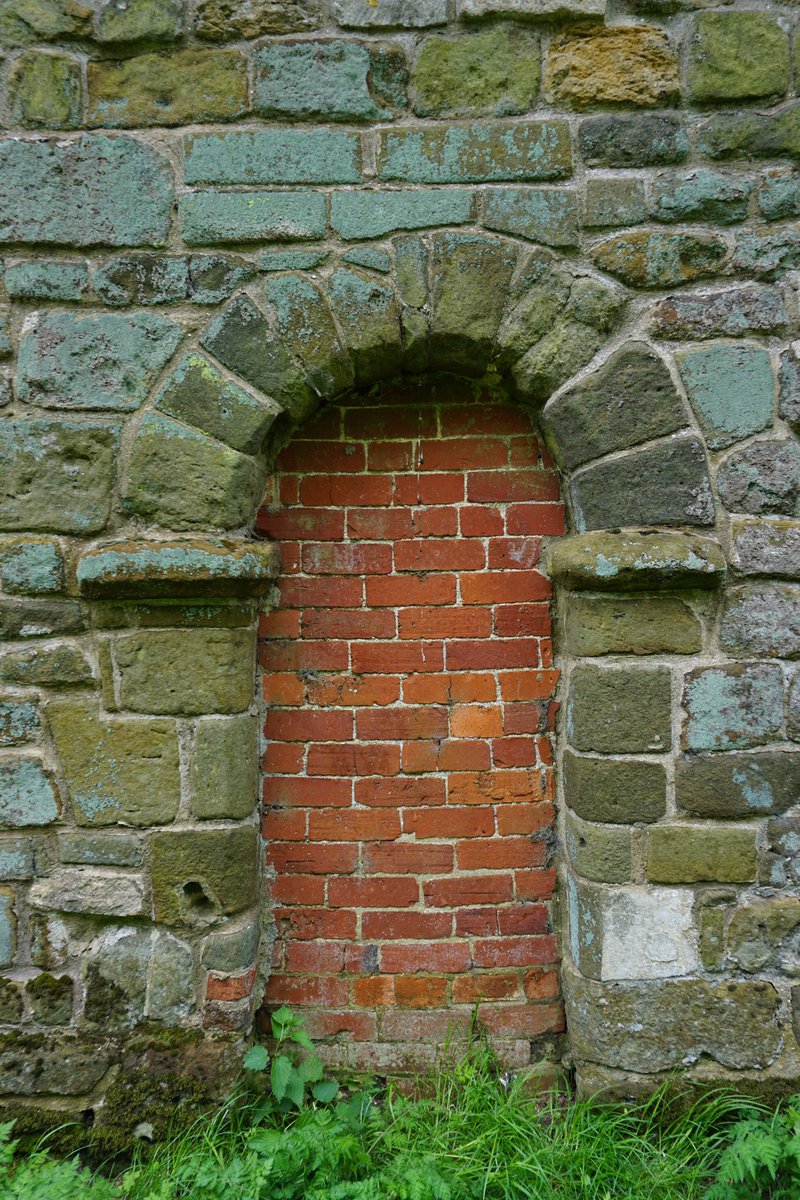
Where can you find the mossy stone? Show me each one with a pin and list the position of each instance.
(492, 73)
(45, 90)
(197, 393)
(620, 711)
(186, 671)
(50, 998)
(599, 852)
(229, 20)
(758, 928)
(200, 876)
(615, 791)
(46, 666)
(168, 89)
(138, 20)
(737, 56)
(701, 854)
(224, 768)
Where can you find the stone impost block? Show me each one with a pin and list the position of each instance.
(32, 565)
(59, 665)
(47, 280)
(763, 477)
(27, 793)
(731, 388)
(629, 399)
(631, 625)
(57, 475)
(91, 891)
(112, 191)
(737, 56)
(179, 88)
(478, 153)
(186, 671)
(636, 560)
(700, 195)
(646, 258)
(666, 484)
(230, 20)
(180, 479)
(733, 707)
(762, 620)
(301, 318)
(599, 852)
(202, 875)
(109, 362)
(642, 140)
(138, 20)
(493, 73)
(630, 65)
(198, 394)
(366, 214)
(731, 313)
(19, 720)
(548, 215)
(224, 768)
(616, 791)
(214, 218)
(701, 854)
(737, 785)
(45, 90)
(213, 567)
(767, 548)
(100, 848)
(273, 156)
(614, 711)
(756, 931)
(116, 769)
(304, 80)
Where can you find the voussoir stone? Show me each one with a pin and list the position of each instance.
(197, 393)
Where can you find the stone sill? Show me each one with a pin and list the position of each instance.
(202, 567)
(636, 560)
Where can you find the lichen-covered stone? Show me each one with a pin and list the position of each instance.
(24, 21)
(742, 310)
(701, 854)
(737, 56)
(194, 567)
(767, 257)
(11, 1003)
(27, 793)
(599, 852)
(116, 770)
(762, 620)
(180, 479)
(142, 279)
(168, 89)
(410, 14)
(374, 214)
(273, 156)
(611, 201)
(40, 618)
(763, 477)
(91, 891)
(100, 848)
(214, 218)
(170, 986)
(667, 484)
(56, 665)
(701, 195)
(17, 857)
(780, 864)
(98, 362)
(198, 394)
(302, 319)
(731, 388)
(186, 672)
(138, 20)
(618, 792)
(645, 258)
(19, 720)
(629, 399)
(369, 257)
(632, 65)
(34, 1065)
(643, 140)
(732, 707)
(50, 998)
(477, 153)
(492, 73)
(224, 768)
(726, 786)
(767, 548)
(789, 388)
(779, 194)
(548, 215)
(47, 280)
(614, 711)
(758, 928)
(115, 978)
(8, 927)
(636, 560)
(96, 190)
(531, 8)
(751, 134)
(202, 875)
(304, 80)
(31, 565)
(45, 90)
(631, 625)
(368, 316)
(230, 20)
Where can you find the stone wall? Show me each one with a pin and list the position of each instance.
(216, 218)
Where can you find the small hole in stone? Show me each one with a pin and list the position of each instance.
(88, 1118)
(197, 901)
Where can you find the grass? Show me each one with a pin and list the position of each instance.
(476, 1136)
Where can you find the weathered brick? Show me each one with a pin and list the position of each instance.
(535, 150)
(737, 56)
(213, 217)
(273, 156)
(731, 388)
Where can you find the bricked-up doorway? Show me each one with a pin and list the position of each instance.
(408, 676)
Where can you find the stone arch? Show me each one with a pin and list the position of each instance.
(633, 461)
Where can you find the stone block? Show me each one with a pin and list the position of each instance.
(733, 707)
(55, 665)
(547, 215)
(789, 387)
(368, 214)
(35, 1064)
(780, 865)
(404, 14)
(202, 875)
(778, 195)
(198, 394)
(757, 929)
(599, 852)
(615, 711)
(232, 948)
(531, 8)
(701, 195)
(483, 152)
(737, 56)
(180, 479)
(646, 258)
(767, 257)
(629, 399)
(793, 714)
(368, 318)
(762, 620)
(214, 277)
(96, 190)
(767, 548)
(763, 477)
(8, 927)
(668, 1024)
(306, 80)
(492, 73)
(631, 933)
(138, 20)
(471, 279)
(91, 891)
(301, 318)
(32, 565)
(27, 21)
(726, 786)
(142, 279)
(27, 793)
(170, 987)
(57, 475)
(731, 388)
(40, 618)
(641, 140)
(612, 201)
(186, 671)
(369, 257)
(631, 625)
(179, 88)
(45, 90)
(630, 65)
(99, 848)
(224, 768)
(273, 156)
(47, 280)
(711, 941)
(115, 969)
(230, 20)
(50, 998)
(68, 361)
(19, 720)
(116, 769)
(614, 791)
(732, 313)
(213, 218)
(701, 854)
(667, 484)
(751, 134)
(11, 1004)
(16, 858)
(636, 560)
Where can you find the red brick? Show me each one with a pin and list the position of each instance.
(504, 587)
(522, 1020)
(347, 558)
(326, 593)
(302, 991)
(390, 456)
(344, 1027)
(326, 423)
(230, 987)
(280, 623)
(303, 858)
(316, 922)
(472, 889)
(421, 1026)
(374, 990)
(407, 858)
(415, 991)
(486, 419)
(527, 452)
(528, 685)
(291, 524)
(402, 657)
(380, 523)
(524, 818)
(353, 825)
(514, 752)
(418, 758)
(462, 454)
(390, 724)
(309, 726)
(458, 755)
(546, 520)
(367, 491)
(476, 721)
(493, 787)
(300, 792)
(303, 656)
(522, 620)
(348, 623)
(400, 792)
(468, 989)
(498, 854)
(530, 717)
(445, 957)
(389, 422)
(406, 925)
(481, 520)
(290, 558)
(396, 592)
(523, 919)
(541, 985)
(440, 554)
(429, 489)
(473, 686)
(435, 521)
(288, 490)
(282, 688)
(427, 689)
(339, 691)
(297, 889)
(491, 654)
(449, 822)
(513, 554)
(477, 922)
(315, 958)
(444, 622)
(306, 457)
(283, 758)
(284, 824)
(373, 893)
(352, 759)
(514, 951)
(511, 486)
(535, 885)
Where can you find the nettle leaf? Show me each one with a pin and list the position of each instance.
(302, 1039)
(310, 1069)
(283, 1017)
(295, 1087)
(326, 1091)
(280, 1075)
(256, 1058)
